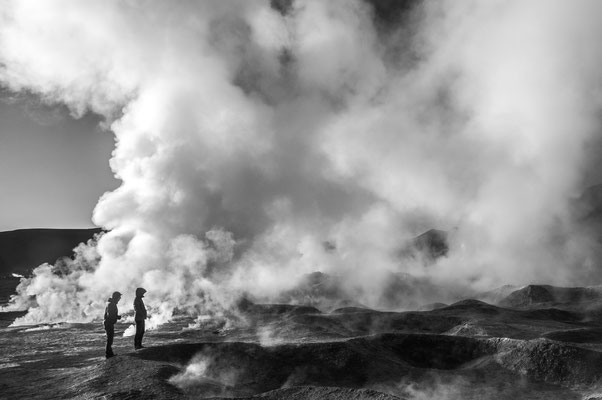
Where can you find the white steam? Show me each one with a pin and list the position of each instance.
(247, 137)
(201, 377)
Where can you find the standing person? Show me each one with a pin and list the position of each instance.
(139, 317)
(110, 318)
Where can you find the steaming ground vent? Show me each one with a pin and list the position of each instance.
(467, 350)
(384, 366)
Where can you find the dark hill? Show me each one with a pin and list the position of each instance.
(582, 300)
(24, 249)
(432, 243)
(428, 246)
(531, 294)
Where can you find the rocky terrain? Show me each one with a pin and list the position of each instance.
(539, 342)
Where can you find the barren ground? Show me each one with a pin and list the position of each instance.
(469, 350)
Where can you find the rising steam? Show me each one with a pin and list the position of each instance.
(248, 134)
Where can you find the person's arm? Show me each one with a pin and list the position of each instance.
(112, 316)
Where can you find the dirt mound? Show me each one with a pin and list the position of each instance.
(467, 329)
(115, 378)
(472, 306)
(549, 361)
(245, 369)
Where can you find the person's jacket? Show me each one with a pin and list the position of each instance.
(139, 309)
(111, 314)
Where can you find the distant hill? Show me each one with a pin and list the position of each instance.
(428, 246)
(399, 291)
(24, 249)
(432, 243)
(578, 298)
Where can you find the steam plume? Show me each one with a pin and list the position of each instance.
(248, 135)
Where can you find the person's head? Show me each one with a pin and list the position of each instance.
(140, 292)
(115, 297)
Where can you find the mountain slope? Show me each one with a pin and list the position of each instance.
(24, 249)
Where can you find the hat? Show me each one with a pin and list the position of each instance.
(116, 295)
(140, 291)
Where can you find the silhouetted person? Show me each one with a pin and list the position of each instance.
(110, 318)
(139, 317)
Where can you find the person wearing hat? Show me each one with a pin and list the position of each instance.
(139, 317)
(110, 319)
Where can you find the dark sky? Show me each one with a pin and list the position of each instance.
(53, 168)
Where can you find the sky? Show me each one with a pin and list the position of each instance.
(53, 167)
(247, 134)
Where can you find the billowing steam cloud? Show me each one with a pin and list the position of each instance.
(249, 134)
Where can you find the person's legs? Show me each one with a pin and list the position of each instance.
(139, 334)
(110, 335)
